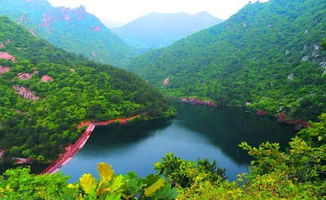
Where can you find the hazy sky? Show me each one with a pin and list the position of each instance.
(124, 11)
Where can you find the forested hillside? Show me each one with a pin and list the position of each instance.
(267, 56)
(157, 30)
(74, 30)
(46, 92)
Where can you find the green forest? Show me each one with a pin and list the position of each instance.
(80, 91)
(267, 56)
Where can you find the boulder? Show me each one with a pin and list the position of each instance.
(4, 69)
(24, 76)
(46, 78)
(7, 56)
(166, 82)
(305, 58)
(290, 76)
(261, 112)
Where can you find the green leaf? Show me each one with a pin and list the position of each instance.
(117, 183)
(153, 188)
(113, 197)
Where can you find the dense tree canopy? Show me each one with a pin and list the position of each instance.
(268, 54)
(79, 91)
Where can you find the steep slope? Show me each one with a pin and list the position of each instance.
(159, 29)
(74, 30)
(268, 55)
(46, 92)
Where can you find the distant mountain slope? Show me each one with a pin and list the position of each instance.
(74, 30)
(46, 92)
(268, 54)
(158, 29)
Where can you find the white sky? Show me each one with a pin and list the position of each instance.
(123, 11)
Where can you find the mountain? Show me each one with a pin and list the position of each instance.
(267, 56)
(74, 30)
(157, 30)
(45, 92)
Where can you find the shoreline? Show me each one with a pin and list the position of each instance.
(280, 117)
(72, 150)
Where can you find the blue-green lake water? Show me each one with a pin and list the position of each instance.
(196, 132)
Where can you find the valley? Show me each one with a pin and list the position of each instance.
(157, 30)
(170, 105)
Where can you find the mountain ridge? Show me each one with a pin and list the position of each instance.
(73, 29)
(156, 30)
(250, 59)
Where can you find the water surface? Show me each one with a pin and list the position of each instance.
(196, 132)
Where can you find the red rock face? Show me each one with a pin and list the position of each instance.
(24, 76)
(46, 20)
(212, 104)
(2, 152)
(22, 19)
(166, 81)
(23, 160)
(261, 113)
(67, 17)
(46, 78)
(4, 69)
(25, 93)
(281, 117)
(96, 29)
(123, 122)
(79, 18)
(7, 56)
(197, 101)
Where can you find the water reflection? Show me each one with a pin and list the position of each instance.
(197, 132)
(227, 127)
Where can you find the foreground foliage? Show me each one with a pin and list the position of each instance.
(186, 173)
(298, 173)
(19, 184)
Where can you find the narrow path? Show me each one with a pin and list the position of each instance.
(72, 150)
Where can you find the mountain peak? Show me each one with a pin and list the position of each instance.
(203, 13)
(156, 30)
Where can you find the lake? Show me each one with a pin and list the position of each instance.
(196, 132)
